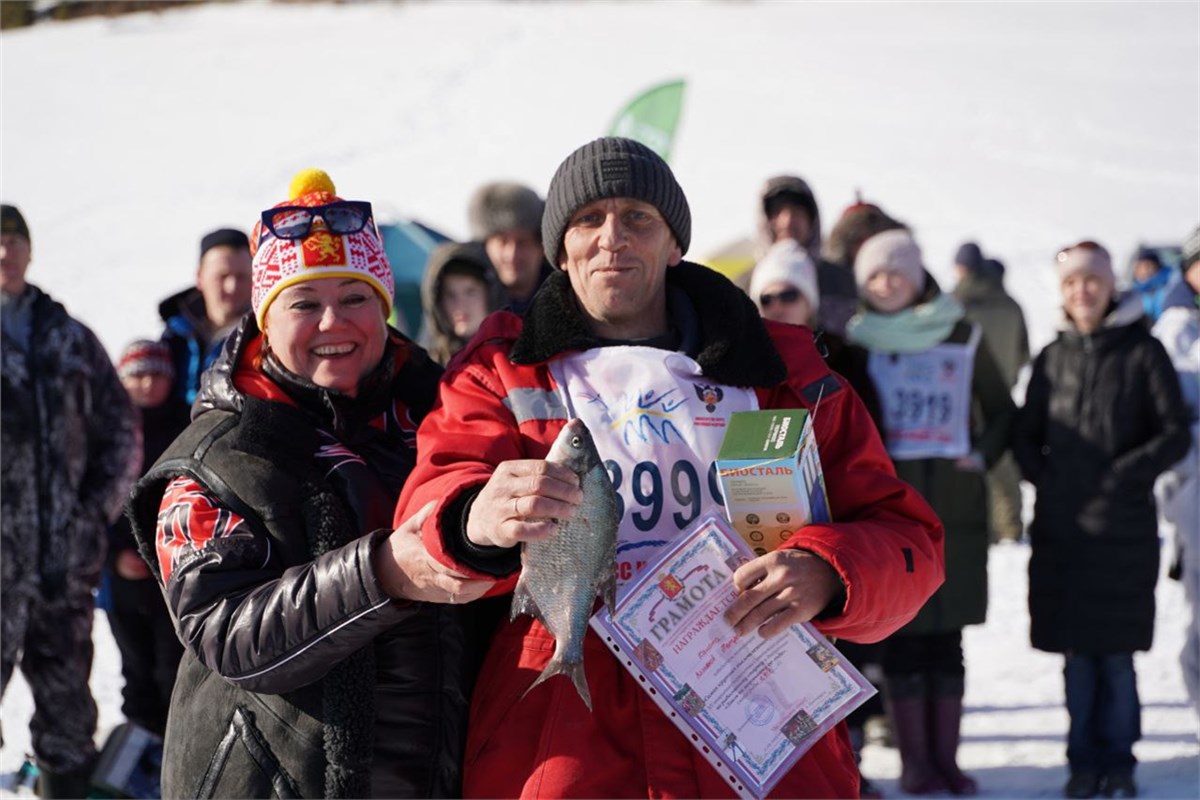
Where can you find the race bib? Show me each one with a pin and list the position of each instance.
(658, 424)
(926, 399)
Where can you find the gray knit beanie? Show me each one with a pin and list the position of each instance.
(504, 206)
(613, 167)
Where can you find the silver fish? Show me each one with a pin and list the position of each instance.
(561, 576)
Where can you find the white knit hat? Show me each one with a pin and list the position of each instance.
(786, 262)
(894, 250)
(1086, 257)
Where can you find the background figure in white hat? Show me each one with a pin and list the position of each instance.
(947, 414)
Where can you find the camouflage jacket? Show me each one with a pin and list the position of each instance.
(71, 448)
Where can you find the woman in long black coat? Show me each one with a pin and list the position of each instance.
(1103, 416)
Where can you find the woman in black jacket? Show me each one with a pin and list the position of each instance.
(321, 660)
(1103, 416)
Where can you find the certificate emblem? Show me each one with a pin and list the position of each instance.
(670, 585)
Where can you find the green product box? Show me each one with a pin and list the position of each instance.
(771, 477)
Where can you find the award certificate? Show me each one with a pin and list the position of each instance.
(751, 706)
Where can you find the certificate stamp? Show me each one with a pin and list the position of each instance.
(760, 710)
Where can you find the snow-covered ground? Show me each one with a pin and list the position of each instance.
(1027, 126)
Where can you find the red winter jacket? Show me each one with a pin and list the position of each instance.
(886, 546)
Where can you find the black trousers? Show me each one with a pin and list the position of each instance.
(150, 650)
(939, 653)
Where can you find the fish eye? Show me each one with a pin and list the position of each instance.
(576, 441)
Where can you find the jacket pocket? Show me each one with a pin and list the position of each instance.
(244, 765)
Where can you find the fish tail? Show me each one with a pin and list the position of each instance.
(574, 671)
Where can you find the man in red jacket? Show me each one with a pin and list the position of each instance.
(654, 353)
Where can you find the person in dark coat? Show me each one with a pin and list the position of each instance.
(141, 626)
(69, 441)
(981, 291)
(947, 416)
(197, 319)
(323, 659)
(1103, 416)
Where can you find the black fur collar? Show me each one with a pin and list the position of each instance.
(735, 348)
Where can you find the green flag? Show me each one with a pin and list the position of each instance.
(651, 117)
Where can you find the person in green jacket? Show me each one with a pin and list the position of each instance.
(947, 414)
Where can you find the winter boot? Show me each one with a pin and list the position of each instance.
(946, 717)
(907, 705)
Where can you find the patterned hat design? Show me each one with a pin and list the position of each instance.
(145, 357)
(280, 263)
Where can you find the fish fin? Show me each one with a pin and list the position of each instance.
(574, 671)
(523, 602)
(608, 590)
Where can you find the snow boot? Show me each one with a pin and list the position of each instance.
(946, 718)
(907, 705)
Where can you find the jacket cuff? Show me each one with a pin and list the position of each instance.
(370, 583)
(499, 562)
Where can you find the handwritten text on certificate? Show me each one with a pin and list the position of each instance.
(758, 703)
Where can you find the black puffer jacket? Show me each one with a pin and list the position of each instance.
(1103, 416)
(301, 678)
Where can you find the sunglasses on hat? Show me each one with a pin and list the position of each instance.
(787, 297)
(295, 222)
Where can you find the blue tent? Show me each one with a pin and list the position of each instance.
(408, 244)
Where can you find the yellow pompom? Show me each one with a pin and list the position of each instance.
(308, 181)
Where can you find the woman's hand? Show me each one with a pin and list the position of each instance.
(407, 571)
(780, 589)
(521, 502)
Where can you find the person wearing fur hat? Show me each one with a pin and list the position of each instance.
(947, 415)
(1103, 417)
(625, 320)
(322, 656)
(506, 218)
(980, 290)
(141, 626)
(458, 290)
(69, 441)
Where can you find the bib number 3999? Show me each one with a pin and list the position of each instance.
(648, 492)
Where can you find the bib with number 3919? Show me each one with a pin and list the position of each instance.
(926, 399)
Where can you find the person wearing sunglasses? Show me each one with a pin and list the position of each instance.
(1103, 417)
(947, 415)
(323, 657)
(784, 286)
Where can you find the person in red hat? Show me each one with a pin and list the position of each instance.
(323, 657)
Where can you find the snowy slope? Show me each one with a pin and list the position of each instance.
(1027, 126)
